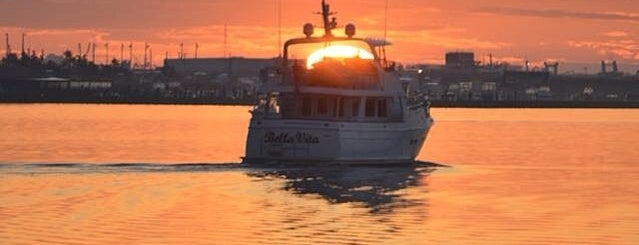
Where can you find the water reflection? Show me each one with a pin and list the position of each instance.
(381, 189)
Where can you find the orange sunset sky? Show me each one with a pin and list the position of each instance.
(569, 31)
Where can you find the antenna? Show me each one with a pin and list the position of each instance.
(29, 50)
(151, 58)
(79, 50)
(130, 55)
(8, 47)
(182, 51)
(107, 53)
(383, 47)
(328, 25)
(121, 52)
(146, 48)
(93, 53)
(386, 20)
(491, 59)
(196, 47)
(23, 35)
(279, 28)
(225, 39)
(86, 54)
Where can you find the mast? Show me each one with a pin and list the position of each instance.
(8, 45)
(93, 52)
(197, 46)
(121, 52)
(383, 47)
(279, 28)
(151, 58)
(86, 53)
(130, 55)
(79, 50)
(386, 20)
(146, 48)
(107, 53)
(331, 24)
(23, 53)
(225, 40)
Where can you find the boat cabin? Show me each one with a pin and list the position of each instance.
(333, 78)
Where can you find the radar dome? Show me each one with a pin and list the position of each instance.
(350, 30)
(308, 29)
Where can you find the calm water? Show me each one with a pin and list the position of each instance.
(517, 177)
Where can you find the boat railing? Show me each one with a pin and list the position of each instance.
(265, 112)
(419, 101)
(267, 106)
(344, 119)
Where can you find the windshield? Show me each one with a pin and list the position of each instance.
(341, 63)
(310, 54)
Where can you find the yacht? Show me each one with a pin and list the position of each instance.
(336, 99)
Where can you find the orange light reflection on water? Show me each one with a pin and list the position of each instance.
(51, 133)
(517, 177)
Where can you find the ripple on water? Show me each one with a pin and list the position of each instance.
(202, 204)
(76, 203)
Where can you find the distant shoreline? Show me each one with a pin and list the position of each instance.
(538, 104)
(249, 102)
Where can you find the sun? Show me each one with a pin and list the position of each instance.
(337, 51)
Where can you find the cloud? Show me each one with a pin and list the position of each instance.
(520, 60)
(61, 32)
(626, 49)
(120, 14)
(243, 40)
(434, 28)
(615, 34)
(509, 60)
(559, 13)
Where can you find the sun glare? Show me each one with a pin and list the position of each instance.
(337, 51)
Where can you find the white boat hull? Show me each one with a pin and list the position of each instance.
(293, 140)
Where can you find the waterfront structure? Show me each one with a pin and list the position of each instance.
(216, 66)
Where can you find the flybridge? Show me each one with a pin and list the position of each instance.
(363, 48)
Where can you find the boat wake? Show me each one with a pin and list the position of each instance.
(372, 186)
(70, 168)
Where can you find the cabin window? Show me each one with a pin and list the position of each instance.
(355, 107)
(322, 108)
(370, 107)
(306, 106)
(382, 108)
